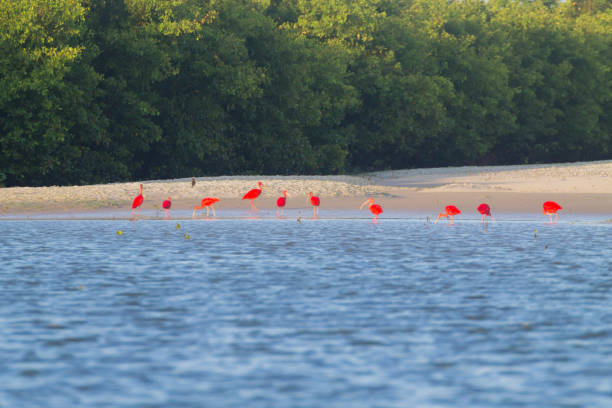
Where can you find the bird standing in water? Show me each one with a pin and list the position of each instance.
(485, 210)
(451, 211)
(549, 208)
(253, 194)
(281, 202)
(137, 201)
(374, 208)
(166, 206)
(208, 203)
(315, 202)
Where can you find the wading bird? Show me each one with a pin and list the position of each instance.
(137, 201)
(208, 203)
(485, 210)
(166, 206)
(549, 208)
(374, 208)
(253, 194)
(451, 211)
(315, 202)
(280, 203)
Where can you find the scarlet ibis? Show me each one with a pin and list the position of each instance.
(253, 194)
(549, 208)
(280, 203)
(166, 206)
(485, 210)
(137, 201)
(451, 211)
(374, 208)
(208, 203)
(315, 202)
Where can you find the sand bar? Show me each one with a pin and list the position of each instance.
(581, 188)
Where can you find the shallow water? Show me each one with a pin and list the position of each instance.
(327, 313)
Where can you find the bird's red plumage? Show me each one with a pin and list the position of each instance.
(209, 201)
(254, 193)
(281, 202)
(484, 209)
(167, 204)
(314, 200)
(137, 201)
(452, 210)
(376, 209)
(551, 206)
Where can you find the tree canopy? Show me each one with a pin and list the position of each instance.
(111, 90)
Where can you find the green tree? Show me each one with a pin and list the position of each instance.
(39, 43)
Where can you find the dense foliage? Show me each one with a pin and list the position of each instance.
(109, 90)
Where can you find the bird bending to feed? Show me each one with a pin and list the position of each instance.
(374, 208)
(280, 203)
(315, 202)
(451, 211)
(208, 203)
(166, 206)
(253, 194)
(549, 208)
(485, 210)
(137, 201)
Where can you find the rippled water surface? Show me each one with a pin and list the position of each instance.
(327, 313)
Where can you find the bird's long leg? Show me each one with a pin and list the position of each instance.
(451, 217)
(440, 216)
(212, 207)
(253, 208)
(556, 217)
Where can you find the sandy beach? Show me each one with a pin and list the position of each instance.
(581, 188)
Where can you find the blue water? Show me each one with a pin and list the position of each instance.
(327, 313)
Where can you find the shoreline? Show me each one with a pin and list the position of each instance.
(581, 188)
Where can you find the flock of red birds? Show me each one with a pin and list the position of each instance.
(550, 208)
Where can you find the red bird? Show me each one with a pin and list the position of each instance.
(208, 203)
(253, 194)
(451, 211)
(137, 201)
(374, 208)
(166, 206)
(315, 202)
(549, 208)
(280, 203)
(485, 210)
